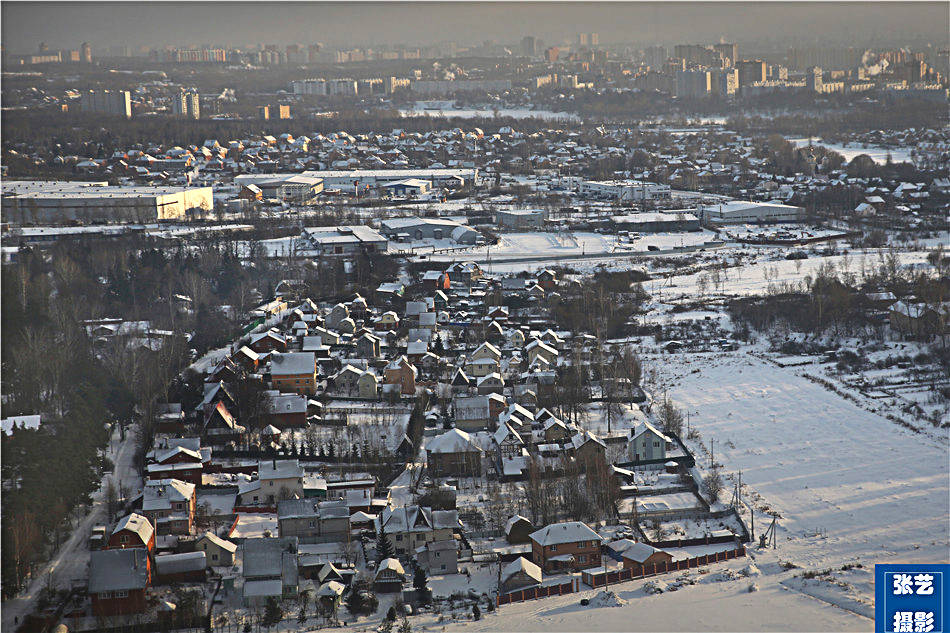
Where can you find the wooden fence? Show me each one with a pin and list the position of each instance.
(600, 579)
(539, 591)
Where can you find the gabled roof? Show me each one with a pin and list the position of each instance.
(454, 441)
(514, 520)
(504, 432)
(118, 570)
(136, 523)
(649, 428)
(216, 540)
(390, 564)
(639, 552)
(568, 532)
(521, 565)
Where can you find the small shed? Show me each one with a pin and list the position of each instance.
(518, 529)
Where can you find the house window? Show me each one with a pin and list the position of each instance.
(121, 594)
(656, 445)
(124, 538)
(105, 595)
(554, 548)
(214, 557)
(311, 524)
(399, 537)
(582, 559)
(443, 567)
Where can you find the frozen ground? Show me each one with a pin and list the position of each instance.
(871, 490)
(705, 606)
(755, 278)
(849, 151)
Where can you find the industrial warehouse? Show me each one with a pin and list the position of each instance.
(27, 202)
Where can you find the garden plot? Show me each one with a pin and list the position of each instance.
(684, 529)
(216, 503)
(376, 428)
(663, 503)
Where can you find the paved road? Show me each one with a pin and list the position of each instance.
(72, 560)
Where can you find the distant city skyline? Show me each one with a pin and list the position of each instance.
(156, 24)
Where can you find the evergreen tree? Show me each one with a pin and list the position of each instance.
(419, 579)
(273, 614)
(384, 548)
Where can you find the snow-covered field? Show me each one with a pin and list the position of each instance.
(872, 490)
(755, 278)
(704, 606)
(448, 109)
(849, 151)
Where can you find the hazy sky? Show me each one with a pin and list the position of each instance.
(103, 24)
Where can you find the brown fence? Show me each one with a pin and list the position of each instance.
(600, 579)
(539, 591)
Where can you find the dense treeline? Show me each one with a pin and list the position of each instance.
(835, 300)
(96, 136)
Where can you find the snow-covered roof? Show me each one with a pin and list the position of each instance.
(521, 564)
(639, 552)
(454, 441)
(136, 523)
(390, 564)
(568, 532)
(293, 363)
(513, 520)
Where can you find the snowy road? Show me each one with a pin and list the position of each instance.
(71, 561)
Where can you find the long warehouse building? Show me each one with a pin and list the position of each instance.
(52, 202)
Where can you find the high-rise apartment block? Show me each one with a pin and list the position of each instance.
(115, 102)
(186, 104)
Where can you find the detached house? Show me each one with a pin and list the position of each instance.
(410, 527)
(220, 427)
(170, 504)
(218, 552)
(402, 373)
(518, 574)
(280, 479)
(118, 580)
(134, 530)
(474, 413)
(294, 372)
(639, 555)
(565, 546)
(453, 453)
(266, 342)
(648, 444)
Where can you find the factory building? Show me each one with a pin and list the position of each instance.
(28, 202)
(373, 179)
(413, 228)
(627, 190)
(343, 240)
(748, 212)
(669, 222)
